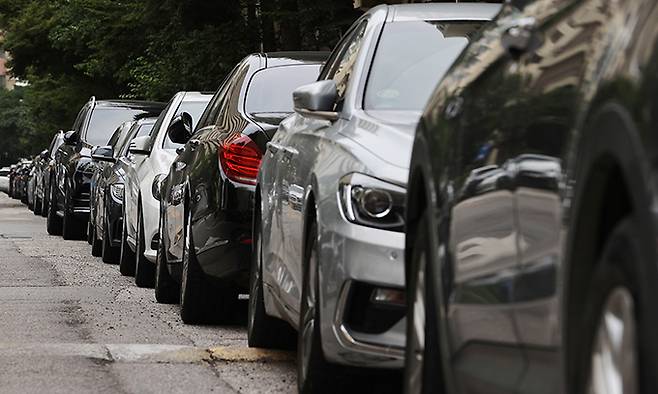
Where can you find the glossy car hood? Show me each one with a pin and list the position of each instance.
(389, 135)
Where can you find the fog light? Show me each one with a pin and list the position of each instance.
(388, 296)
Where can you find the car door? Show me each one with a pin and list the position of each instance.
(553, 71)
(299, 151)
(481, 264)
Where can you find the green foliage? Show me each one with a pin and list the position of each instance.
(69, 50)
(16, 131)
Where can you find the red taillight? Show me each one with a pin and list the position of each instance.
(240, 159)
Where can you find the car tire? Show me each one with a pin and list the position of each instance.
(45, 203)
(72, 228)
(422, 358)
(126, 256)
(616, 334)
(37, 207)
(53, 221)
(167, 291)
(264, 331)
(109, 253)
(144, 269)
(194, 299)
(96, 244)
(314, 373)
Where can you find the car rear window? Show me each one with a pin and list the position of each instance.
(411, 58)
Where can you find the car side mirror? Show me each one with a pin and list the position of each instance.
(71, 137)
(140, 145)
(103, 153)
(43, 154)
(180, 128)
(317, 100)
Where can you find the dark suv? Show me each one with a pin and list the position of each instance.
(531, 242)
(69, 193)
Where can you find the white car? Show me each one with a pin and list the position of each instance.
(4, 179)
(151, 158)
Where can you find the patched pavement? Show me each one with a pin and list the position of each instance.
(70, 323)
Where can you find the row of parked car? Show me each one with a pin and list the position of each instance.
(494, 233)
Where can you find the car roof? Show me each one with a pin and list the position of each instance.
(196, 96)
(133, 104)
(275, 59)
(442, 11)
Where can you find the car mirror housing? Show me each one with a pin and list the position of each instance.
(103, 153)
(180, 128)
(317, 100)
(140, 145)
(71, 137)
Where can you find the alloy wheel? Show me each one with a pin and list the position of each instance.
(415, 363)
(614, 351)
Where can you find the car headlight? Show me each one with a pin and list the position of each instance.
(372, 202)
(116, 191)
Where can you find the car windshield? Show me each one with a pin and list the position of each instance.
(105, 120)
(411, 58)
(194, 108)
(270, 90)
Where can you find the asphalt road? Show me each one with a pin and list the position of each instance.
(70, 323)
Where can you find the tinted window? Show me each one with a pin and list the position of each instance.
(194, 108)
(105, 120)
(4, 172)
(136, 130)
(403, 76)
(270, 90)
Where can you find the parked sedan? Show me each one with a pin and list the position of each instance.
(531, 217)
(4, 179)
(69, 193)
(329, 236)
(153, 156)
(38, 163)
(48, 172)
(208, 197)
(108, 218)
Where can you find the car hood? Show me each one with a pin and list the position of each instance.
(389, 135)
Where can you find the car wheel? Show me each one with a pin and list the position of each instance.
(166, 288)
(96, 244)
(53, 221)
(144, 269)
(90, 226)
(617, 340)
(72, 228)
(314, 373)
(263, 331)
(422, 353)
(194, 302)
(109, 253)
(127, 256)
(37, 206)
(45, 203)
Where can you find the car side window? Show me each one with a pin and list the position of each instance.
(343, 65)
(77, 125)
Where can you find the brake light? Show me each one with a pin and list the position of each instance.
(240, 158)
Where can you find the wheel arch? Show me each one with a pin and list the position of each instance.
(610, 184)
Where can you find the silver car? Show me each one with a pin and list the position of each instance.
(4, 179)
(152, 156)
(331, 191)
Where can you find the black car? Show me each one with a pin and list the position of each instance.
(106, 221)
(48, 173)
(207, 200)
(531, 240)
(70, 192)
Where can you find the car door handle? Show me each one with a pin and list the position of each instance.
(289, 152)
(521, 37)
(273, 147)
